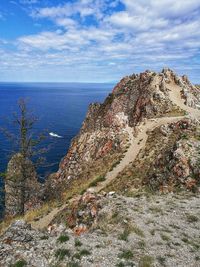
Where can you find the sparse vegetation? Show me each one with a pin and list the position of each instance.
(146, 261)
(115, 164)
(61, 253)
(141, 244)
(137, 231)
(79, 254)
(165, 237)
(99, 179)
(63, 238)
(192, 218)
(126, 254)
(84, 252)
(161, 260)
(155, 209)
(19, 263)
(73, 264)
(120, 264)
(124, 235)
(77, 243)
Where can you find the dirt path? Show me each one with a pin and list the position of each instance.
(137, 143)
(46, 220)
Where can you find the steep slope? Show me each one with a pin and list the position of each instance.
(112, 133)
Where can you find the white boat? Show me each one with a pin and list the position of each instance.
(55, 135)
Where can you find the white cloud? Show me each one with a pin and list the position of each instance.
(136, 22)
(162, 7)
(146, 34)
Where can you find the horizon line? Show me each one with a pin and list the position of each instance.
(110, 82)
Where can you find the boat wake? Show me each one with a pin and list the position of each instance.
(55, 135)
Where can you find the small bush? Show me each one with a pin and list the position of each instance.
(161, 260)
(126, 254)
(165, 237)
(192, 218)
(120, 264)
(63, 238)
(60, 254)
(19, 263)
(77, 256)
(85, 252)
(72, 264)
(125, 234)
(44, 237)
(78, 243)
(141, 244)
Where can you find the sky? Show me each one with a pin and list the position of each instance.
(97, 40)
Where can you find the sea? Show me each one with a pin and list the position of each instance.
(60, 109)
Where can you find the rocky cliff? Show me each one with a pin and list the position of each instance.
(109, 128)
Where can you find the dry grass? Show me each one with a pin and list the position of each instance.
(40, 212)
(6, 222)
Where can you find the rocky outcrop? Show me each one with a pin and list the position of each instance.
(181, 167)
(81, 215)
(168, 162)
(22, 191)
(189, 92)
(104, 136)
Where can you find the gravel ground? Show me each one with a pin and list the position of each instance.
(131, 231)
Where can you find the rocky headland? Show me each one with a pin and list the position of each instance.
(127, 191)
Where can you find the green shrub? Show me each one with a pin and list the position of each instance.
(126, 254)
(125, 234)
(19, 263)
(63, 238)
(62, 253)
(78, 243)
(85, 252)
(72, 264)
(120, 264)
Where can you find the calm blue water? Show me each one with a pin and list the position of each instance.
(61, 108)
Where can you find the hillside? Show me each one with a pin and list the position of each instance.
(114, 132)
(127, 191)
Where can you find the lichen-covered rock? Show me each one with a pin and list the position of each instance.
(19, 231)
(82, 214)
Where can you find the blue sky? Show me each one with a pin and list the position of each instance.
(97, 40)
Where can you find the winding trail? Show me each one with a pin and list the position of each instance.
(136, 144)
